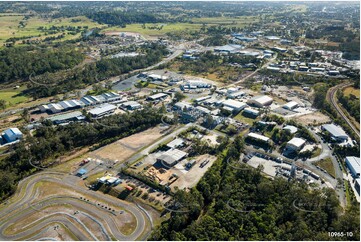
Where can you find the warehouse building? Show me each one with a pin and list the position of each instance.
(87, 101)
(176, 143)
(236, 94)
(194, 84)
(258, 137)
(292, 129)
(260, 101)
(291, 105)
(228, 49)
(158, 96)
(131, 105)
(171, 157)
(102, 110)
(295, 144)
(250, 112)
(234, 105)
(336, 132)
(12, 134)
(202, 110)
(180, 106)
(353, 164)
(67, 117)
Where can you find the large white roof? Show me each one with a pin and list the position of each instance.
(335, 131)
(258, 136)
(102, 109)
(297, 142)
(291, 105)
(262, 99)
(234, 104)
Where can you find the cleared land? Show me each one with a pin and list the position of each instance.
(126, 147)
(10, 26)
(313, 119)
(13, 96)
(351, 90)
(327, 165)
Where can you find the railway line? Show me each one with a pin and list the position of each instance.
(331, 96)
(84, 218)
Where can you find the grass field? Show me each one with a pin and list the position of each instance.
(194, 24)
(241, 118)
(9, 26)
(155, 32)
(327, 165)
(12, 96)
(351, 90)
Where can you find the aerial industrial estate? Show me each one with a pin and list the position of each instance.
(180, 121)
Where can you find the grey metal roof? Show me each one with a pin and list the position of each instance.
(334, 130)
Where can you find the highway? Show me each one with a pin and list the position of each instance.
(26, 203)
(331, 96)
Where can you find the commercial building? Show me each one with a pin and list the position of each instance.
(291, 105)
(131, 105)
(258, 137)
(227, 49)
(87, 101)
(67, 117)
(102, 110)
(251, 112)
(291, 128)
(353, 164)
(171, 157)
(272, 38)
(336, 132)
(236, 94)
(176, 143)
(202, 110)
(194, 84)
(182, 105)
(236, 106)
(54, 108)
(260, 101)
(12, 134)
(295, 144)
(155, 77)
(158, 96)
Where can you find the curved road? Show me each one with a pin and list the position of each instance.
(103, 219)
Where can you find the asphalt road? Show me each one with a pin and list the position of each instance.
(22, 206)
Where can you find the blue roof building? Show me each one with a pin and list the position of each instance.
(12, 134)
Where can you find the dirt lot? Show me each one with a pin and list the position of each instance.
(316, 118)
(189, 178)
(124, 148)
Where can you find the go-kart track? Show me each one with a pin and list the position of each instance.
(36, 212)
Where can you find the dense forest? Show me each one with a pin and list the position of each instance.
(94, 72)
(20, 62)
(121, 18)
(236, 203)
(50, 142)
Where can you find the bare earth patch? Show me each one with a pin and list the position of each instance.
(313, 118)
(126, 147)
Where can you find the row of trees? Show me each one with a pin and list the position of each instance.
(351, 103)
(50, 142)
(235, 202)
(20, 62)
